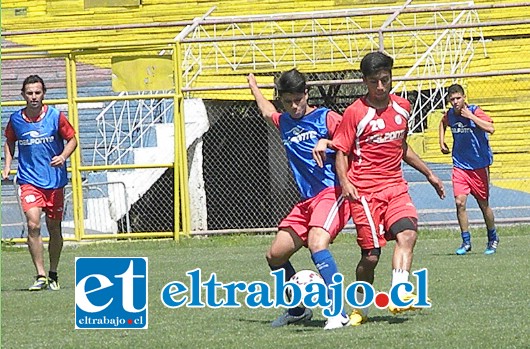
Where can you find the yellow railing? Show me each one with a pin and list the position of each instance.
(72, 55)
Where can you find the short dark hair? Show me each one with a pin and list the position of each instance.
(376, 61)
(291, 81)
(455, 88)
(32, 79)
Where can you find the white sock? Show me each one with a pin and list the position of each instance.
(400, 276)
(359, 297)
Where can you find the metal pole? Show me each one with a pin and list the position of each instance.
(389, 20)
(75, 158)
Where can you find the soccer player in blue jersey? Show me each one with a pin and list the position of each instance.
(41, 132)
(472, 157)
(314, 222)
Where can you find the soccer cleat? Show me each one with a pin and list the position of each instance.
(41, 283)
(286, 318)
(338, 321)
(357, 318)
(53, 284)
(409, 296)
(491, 248)
(462, 250)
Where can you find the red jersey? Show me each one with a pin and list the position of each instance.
(374, 138)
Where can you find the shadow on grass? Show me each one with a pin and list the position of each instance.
(319, 324)
(388, 318)
(16, 290)
(454, 255)
(28, 291)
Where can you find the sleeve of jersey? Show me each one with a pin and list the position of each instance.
(333, 121)
(276, 119)
(10, 133)
(65, 128)
(345, 134)
(482, 115)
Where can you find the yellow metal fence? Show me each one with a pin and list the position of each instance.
(73, 91)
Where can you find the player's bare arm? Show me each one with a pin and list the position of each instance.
(319, 151)
(483, 124)
(411, 158)
(441, 134)
(265, 106)
(9, 153)
(349, 191)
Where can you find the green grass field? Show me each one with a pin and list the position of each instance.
(478, 301)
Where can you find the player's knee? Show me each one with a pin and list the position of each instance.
(34, 227)
(407, 237)
(54, 227)
(55, 234)
(318, 240)
(370, 257)
(274, 258)
(483, 204)
(269, 256)
(460, 203)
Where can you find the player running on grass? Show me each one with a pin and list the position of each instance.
(472, 157)
(371, 143)
(316, 220)
(41, 132)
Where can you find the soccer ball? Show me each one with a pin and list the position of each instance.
(305, 277)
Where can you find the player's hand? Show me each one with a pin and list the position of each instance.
(465, 112)
(252, 80)
(58, 161)
(5, 173)
(349, 191)
(445, 149)
(437, 185)
(319, 151)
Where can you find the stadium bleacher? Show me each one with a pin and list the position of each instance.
(505, 47)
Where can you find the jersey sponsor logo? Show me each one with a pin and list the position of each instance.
(297, 135)
(33, 134)
(36, 138)
(460, 128)
(386, 137)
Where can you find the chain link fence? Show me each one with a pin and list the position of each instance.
(249, 184)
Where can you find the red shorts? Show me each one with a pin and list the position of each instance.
(475, 182)
(327, 210)
(50, 200)
(374, 214)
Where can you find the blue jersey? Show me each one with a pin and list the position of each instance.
(38, 143)
(471, 149)
(300, 136)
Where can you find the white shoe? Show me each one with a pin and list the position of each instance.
(338, 321)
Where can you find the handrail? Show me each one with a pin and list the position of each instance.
(388, 21)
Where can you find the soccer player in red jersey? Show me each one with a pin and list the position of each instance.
(370, 143)
(472, 157)
(41, 132)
